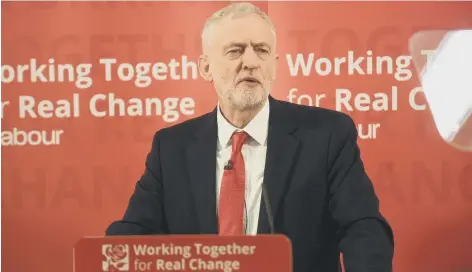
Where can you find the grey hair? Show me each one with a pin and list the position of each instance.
(235, 9)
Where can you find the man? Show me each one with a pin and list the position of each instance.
(206, 175)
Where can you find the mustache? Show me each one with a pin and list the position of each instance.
(248, 78)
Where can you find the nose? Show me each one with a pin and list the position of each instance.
(250, 60)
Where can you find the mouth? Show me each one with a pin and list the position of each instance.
(250, 80)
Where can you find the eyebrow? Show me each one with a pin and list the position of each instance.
(239, 44)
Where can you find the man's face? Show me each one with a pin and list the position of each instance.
(241, 60)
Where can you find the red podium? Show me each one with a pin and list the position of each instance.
(183, 253)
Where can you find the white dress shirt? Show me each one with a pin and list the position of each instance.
(254, 154)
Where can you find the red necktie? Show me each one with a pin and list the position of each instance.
(232, 193)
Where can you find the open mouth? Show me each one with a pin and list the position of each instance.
(251, 80)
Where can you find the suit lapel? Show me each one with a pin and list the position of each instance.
(282, 148)
(201, 165)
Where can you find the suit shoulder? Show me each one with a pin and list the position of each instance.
(183, 130)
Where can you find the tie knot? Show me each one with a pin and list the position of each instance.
(238, 139)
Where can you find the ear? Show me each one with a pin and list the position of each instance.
(204, 67)
(276, 58)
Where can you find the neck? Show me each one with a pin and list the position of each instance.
(239, 118)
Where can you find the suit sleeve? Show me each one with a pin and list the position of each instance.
(145, 212)
(365, 237)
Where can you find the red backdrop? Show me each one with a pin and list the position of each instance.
(54, 194)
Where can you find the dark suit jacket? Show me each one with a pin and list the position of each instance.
(319, 193)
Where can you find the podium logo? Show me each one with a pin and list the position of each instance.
(117, 258)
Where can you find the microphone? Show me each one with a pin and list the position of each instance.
(229, 165)
(268, 210)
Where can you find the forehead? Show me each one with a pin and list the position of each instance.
(250, 28)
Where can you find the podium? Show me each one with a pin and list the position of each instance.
(183, 253)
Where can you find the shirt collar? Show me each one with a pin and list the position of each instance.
(257, 128)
